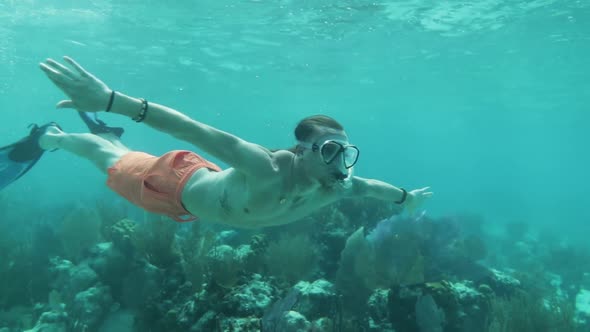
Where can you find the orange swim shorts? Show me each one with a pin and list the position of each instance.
(155, 183)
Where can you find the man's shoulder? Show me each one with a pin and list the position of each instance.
(279, 161)
(283, 154)
(281, 158)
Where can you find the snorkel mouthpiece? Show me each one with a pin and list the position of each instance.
(340, 176)
(343, 174)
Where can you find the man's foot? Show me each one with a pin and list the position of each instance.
(40, 139)
(99, 127)
(50, 136)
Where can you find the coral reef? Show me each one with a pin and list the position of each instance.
(354, 266)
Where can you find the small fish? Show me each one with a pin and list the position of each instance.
(75, 42)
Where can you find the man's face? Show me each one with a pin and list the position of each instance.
(330, 154)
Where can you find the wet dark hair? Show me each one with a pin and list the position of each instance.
(311, 126)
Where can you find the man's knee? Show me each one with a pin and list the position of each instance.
(107, 157)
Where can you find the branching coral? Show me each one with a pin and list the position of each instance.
(154, 240)
(291, 258)
(194, 247)
(80, 229)
(527, 312)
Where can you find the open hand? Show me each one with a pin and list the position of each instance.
(416, 198)
(86, 92)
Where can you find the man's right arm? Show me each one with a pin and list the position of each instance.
(236, 152)
(89, 94)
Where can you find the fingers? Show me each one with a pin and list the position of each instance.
(79, 68)
(54, 75)
(423, 193)
(61, 68)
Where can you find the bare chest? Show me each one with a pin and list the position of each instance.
(231, 198)
(269, 205)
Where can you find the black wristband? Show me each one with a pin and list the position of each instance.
(110, 101)
(404, 195)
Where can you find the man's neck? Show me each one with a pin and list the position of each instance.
(302, 180)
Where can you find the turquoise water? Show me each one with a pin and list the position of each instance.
(484, 101)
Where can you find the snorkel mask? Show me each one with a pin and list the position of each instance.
(334, 149)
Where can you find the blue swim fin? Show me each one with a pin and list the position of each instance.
(18, 158)
(97, 126)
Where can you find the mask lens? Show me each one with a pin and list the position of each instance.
(351, 155)
(330, 150)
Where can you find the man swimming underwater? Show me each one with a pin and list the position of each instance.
(261, 187)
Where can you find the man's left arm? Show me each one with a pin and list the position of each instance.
(384, 191)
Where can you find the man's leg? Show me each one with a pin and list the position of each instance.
(100, 151)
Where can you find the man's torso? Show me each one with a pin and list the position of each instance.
(234, 198)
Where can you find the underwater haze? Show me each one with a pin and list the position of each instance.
(485, 101)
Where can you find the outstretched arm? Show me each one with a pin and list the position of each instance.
(88, 93)
(245, 156)
(411, 200)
